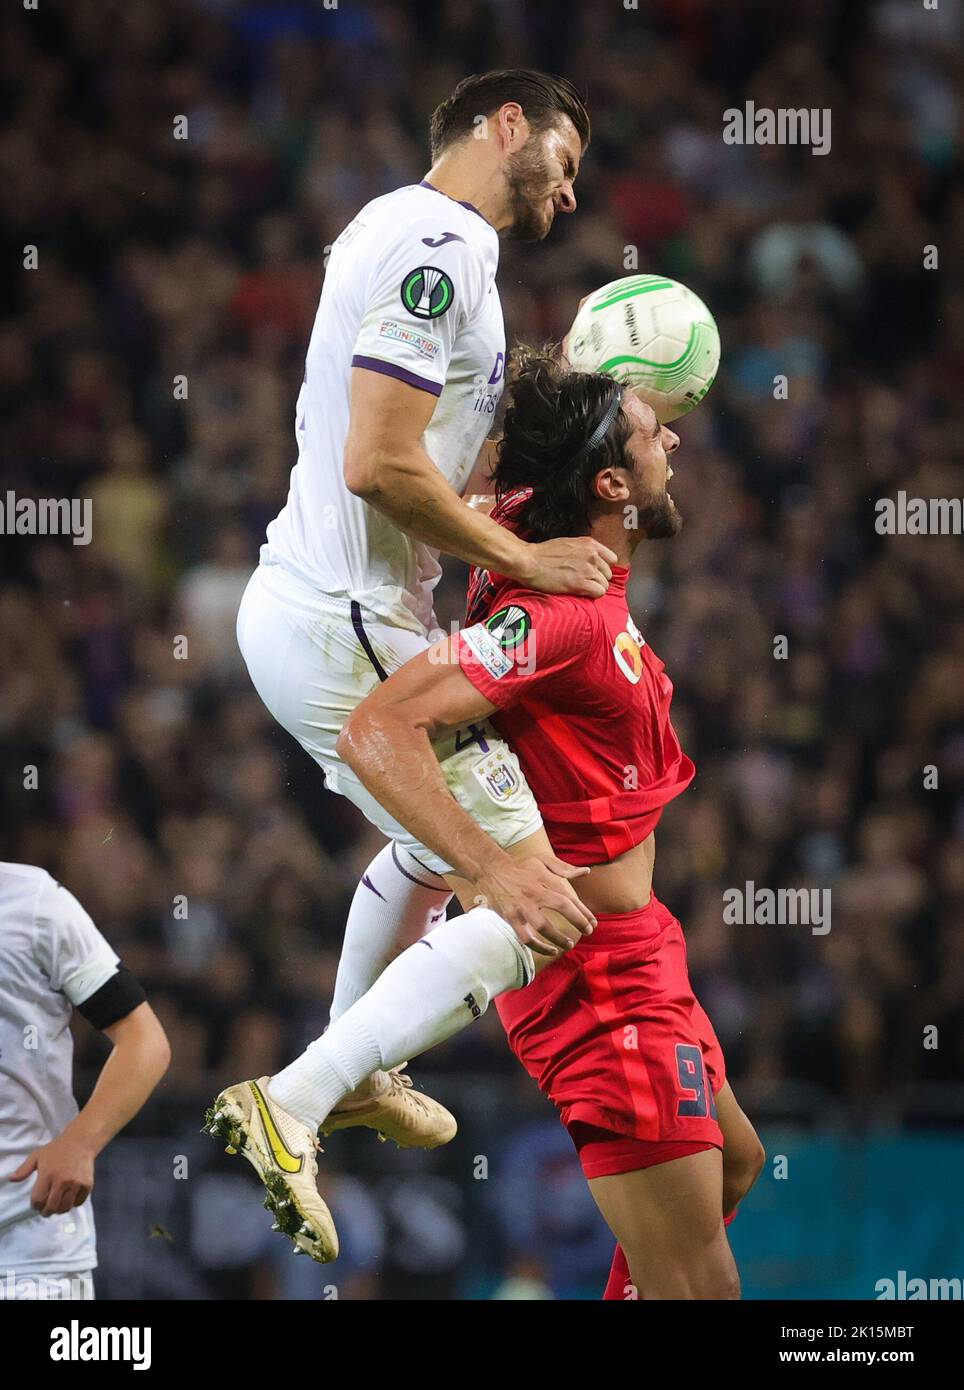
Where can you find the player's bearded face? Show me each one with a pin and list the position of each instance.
(529, 182)
(657, 516)
(650, 449)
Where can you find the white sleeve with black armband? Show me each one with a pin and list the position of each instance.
(79, 961)
(114, 1000)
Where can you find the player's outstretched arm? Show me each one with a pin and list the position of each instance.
(65, 1167)
(387, 741)
(386, 464)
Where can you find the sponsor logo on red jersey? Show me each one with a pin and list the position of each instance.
(627, 649)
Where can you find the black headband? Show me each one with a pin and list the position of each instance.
(601, 430)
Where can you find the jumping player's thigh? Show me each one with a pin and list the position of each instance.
(313, 666)
(308, 663)
(743, 1154)
(669, 1222)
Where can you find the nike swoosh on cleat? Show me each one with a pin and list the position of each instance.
(283, 1156)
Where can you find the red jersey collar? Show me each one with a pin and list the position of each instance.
(617, 585)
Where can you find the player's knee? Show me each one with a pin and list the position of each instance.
(344, 744)
(742, 1171)
(759, 1159)
(497, 958)
(753, 1164)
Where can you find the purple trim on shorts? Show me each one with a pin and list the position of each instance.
(362, 635)
(375, 364)
(368, 884)
(424, 183)
(411, 877)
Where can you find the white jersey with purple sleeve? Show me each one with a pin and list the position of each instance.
(409, 292)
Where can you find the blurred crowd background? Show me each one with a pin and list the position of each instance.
(202, 259)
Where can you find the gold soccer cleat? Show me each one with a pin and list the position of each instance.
(397, 1111)
(282, 1153)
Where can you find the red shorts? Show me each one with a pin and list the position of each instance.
(615, 1037)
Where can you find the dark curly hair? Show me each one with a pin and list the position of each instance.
(553, 414)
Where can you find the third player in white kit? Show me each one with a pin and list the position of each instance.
(54, 960)
(403, 376)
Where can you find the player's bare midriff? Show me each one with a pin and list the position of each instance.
(623, 884)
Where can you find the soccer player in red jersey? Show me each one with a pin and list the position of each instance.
(610, 1028)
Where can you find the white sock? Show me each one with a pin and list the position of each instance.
(426, 994)
(396, 900)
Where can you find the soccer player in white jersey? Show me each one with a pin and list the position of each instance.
(53, 960)
(404, 372)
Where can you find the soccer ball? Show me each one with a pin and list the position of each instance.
(653, 334)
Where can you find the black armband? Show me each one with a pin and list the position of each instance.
(121, 995)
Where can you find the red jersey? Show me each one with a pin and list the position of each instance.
(584, 702)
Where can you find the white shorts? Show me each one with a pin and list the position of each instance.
(24, 1286)
(314, 657)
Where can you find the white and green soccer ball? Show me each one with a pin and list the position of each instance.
(653, 334)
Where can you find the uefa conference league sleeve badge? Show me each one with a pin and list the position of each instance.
(427, 292)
